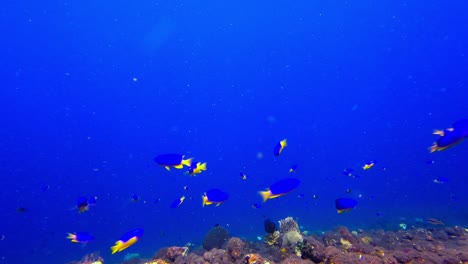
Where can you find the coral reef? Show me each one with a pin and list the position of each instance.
(272, 239)
(288, 224)
(213, 256)
(291, 239)
(216, 238)
(255, 259)
(216, 256)
(290, 234)
(157, 261)
(312, 249)
(414, 245)
(174, 252)
(170, 253)
(235, 248)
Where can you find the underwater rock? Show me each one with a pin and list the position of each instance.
(336, 256)
(345, 234)
(461, 253)
(216, 256)
(455, 231)
(212, 256)
(160, 253)
(340, 236)
(388, 240)
(174, 252)
(407, 255)
(440, 235)
(235, 248)
(170, 253)
(331, 239)
(215, 238)
(272, 253)
(364, 249)
(190, 259)
(312, 249)
(292, 259)
(157, 261)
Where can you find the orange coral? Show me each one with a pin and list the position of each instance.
(157, 261)
(252, 258)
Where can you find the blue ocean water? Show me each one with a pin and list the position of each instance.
(92, 91)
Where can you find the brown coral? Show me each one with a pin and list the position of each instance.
(216, 256)
(255, 259)
(157, 261)
(235, 248)
(170, 253)
(175, 252)
(312, 249)
(190, 259)
(446, 245)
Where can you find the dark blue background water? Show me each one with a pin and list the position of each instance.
(91, 91)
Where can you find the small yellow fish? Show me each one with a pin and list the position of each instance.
(280, 147)
(369, 165)
(197, 168)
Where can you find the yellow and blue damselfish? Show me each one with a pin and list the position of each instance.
(127, 240)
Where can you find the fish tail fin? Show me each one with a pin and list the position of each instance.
(203, 166)
(72, 237)
(433, 148)
(284, 143)
(265, 195)
(204, 200)
(117, 247)
(187, 162)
